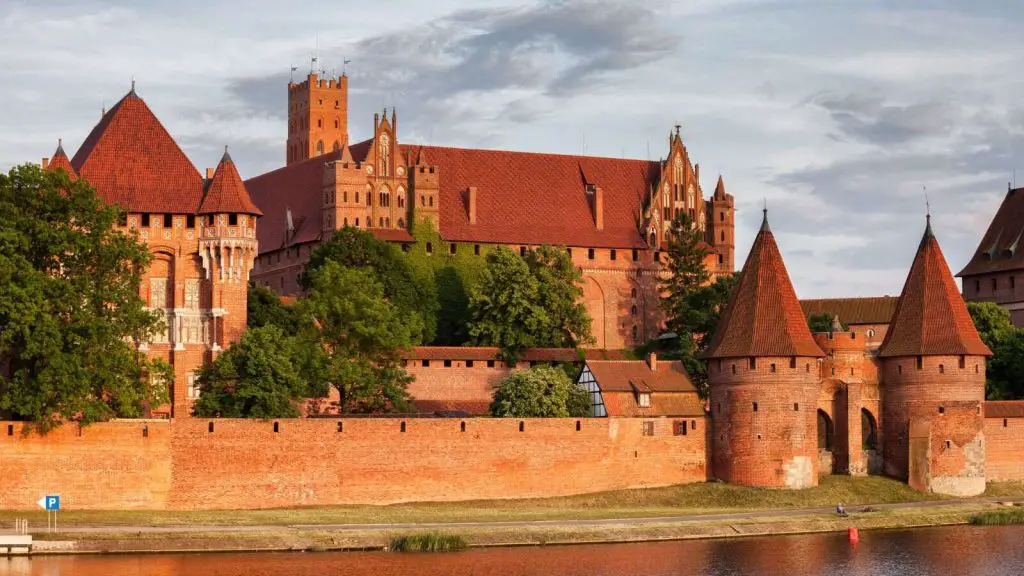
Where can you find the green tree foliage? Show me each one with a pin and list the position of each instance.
(992, 321)
(560, 296)
(540, 392)
(502, 307)
(361, 332)
(692, 303)
(455, 270)
(266, 309)
(413, 294)
(70, 311)
(1005, 371)
(823, 322)
(254, 378)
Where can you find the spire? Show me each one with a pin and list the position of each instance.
(837, 326)
(764, 219)
(931, 318)
(763, 317)
(226, 192)
(720, 188)
(60, 161)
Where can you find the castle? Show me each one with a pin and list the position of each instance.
(613, 216)
(785, 405)
(991, 275)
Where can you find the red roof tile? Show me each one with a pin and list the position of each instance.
(60, 162)
(522, 197)
(624, 405)
(131, 160)
(489, 353)
(627, 375)
(1001, 247)
(872, 310)
(1004, 409)
(226, 192)
(931, 318)
(763, 317)
(391, 234)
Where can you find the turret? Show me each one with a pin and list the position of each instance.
(722, 228)
(317, 117)
(60, 161)
(763, 376)
(345, 193)
(933, 382)
(426, 189)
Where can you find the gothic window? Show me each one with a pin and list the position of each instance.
(193, 385)
(158, 292)
(431, 201)
(385, 154)
(385, 197)
(357, 197)
(369, 195)
(319, 147)
(401, 223)
(381, 222)
(192, 293)
(690, 199)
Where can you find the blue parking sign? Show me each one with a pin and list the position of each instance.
(51, 502)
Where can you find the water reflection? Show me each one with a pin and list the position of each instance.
(993, 550)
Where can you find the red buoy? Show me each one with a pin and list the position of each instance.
(853, 535)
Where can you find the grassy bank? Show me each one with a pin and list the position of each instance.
(707, 498)
(995, 517)
(429, 542)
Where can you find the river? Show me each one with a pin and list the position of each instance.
(949, 551)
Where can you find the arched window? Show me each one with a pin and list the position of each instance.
(723, 236)
(387, 222)
(357, 222)
(357, 197)
(346, 222)
(868, 430)
(634, 332)
(632, 293)
(431, 201)
(336, 145)
(423, 200)
(385, 154)
(319, 147)
(721, 216)
(382, 222)
(401, 201)
(824, 431)
(632, 311)
(385, 197)
(401, 223)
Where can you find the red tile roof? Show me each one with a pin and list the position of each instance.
(60, 162)
(131, 160)
(931, 318)
(226, 192)
(522, 197)
(763, 317)
(627, 375)
(871, 310)
(1001, 247)
(1004, 409)
(489, 353)
(391, 234)
(624, 405)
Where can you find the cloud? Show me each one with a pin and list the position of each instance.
(871, 119)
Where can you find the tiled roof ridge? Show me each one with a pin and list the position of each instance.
(428, 147)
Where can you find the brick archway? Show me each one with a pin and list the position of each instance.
(594, 300)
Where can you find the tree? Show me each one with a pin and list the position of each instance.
(540, 392)
(686, 275)
(705, 310)
(266, 309)
(560, 295)
(71, 316)
(254, 378)
(1005, 372)
(992, 321)
(823, 322)
(415, 295)
(503, 309)
(361, 333)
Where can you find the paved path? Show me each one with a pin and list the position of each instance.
(689, 519)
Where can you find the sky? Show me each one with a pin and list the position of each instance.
(836, 114)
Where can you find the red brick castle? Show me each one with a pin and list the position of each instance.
(612, 215)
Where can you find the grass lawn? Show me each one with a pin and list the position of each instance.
(705, 498)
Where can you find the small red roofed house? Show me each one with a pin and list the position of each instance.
(635, 388)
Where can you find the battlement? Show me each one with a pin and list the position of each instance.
(313, 80)
(841, 341)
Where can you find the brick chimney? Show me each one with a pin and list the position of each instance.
(652, 361)
(472, 204)
(209, 173)
(46, 162)
(598, 208)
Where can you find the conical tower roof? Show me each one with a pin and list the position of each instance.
(763, 317)
(227, 193)
(931, 318)
(60, 161)
(720, 188)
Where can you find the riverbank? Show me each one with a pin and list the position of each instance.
(630, 516)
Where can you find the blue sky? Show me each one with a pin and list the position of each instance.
(836, 112)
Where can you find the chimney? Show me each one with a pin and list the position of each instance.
(696, 172)
(209, 173)
(598, 208)
(46, 162)
(472, 205)
(652, 361)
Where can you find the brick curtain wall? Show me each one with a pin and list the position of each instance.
(1004, 447)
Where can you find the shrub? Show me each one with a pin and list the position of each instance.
(429, 542)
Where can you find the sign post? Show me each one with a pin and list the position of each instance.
(50, 503)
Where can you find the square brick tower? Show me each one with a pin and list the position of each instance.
(317, 117)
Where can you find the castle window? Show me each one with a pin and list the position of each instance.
(657, 256)
(733, 368)
(942, 409)
(963, 362)
(613, 255)
(425, 363)
(807, 367)
(335, 125)
(977, 286)
(636, 255)
(634, 333)
(476, 249)
(346, 222)
(319, 147)
(401, 224)
(381, 222)
(522, 250)
(357, 198)
(899, 369)
(10, 429)
(792, 362)
(431, 201)
(522, 426)
(1004, 426)
(430, 248)
(447, 363)
(680, 428)
(578, 426)
(423, 200)
(145, 220)
(590, 253)
(490, 363)
(796, 407)
(1012, 283)
(462, 426)
(341, 427)
(975, 368)
(995, 284)
(942, 369)
(649, 428)
(772, 368)
(319, 123)
(755, 406)
(721, 259)
(168, 221)
(920, 362)
(233, 220)
(277, 427)
(753, 363)
(209, 427)
(632, 293)
(469, 363)
(721, 216)
(632, 311)
(357, 222)
(190, 221)
(452, 249)
(402, 426)
(644, 400)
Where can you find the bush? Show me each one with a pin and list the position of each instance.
(429, 542)
(540, 392)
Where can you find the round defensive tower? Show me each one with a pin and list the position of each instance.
(933, 382)
(763, 374)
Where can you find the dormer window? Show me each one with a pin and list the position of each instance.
(644, 400)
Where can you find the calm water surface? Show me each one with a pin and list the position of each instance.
(948, 551)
